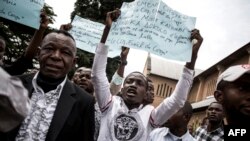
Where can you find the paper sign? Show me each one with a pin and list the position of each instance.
(87, 35)
(152, 26)
(26, 12)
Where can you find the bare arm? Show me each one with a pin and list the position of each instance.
(124, 55)
(196, 46)
(37, 38)
(117, 79)
(111, 16)
(99, 78)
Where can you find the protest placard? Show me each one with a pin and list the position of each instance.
(26, 12)
(87, 35)
(154, 27)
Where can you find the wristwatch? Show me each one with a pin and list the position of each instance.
(124, 63)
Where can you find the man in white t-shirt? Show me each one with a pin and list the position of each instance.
(125, 117)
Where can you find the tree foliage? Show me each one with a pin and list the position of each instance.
(95, 10)
(17, 36)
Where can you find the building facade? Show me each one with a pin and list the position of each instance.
(165, 75)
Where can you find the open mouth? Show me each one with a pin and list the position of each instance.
(131, 92)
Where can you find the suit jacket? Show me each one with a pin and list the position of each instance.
(73, 118)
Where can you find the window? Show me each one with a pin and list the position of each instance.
(157, 92)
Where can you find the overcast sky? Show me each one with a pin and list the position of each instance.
(224, 25)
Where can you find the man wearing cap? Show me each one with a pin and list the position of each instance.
(233, 92)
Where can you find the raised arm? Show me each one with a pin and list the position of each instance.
(100, 81)
(111, 16)
(197, 41)
(117, 79)
(37, 38)
(123, 63)
(25, 62)
(66, 27)
(172, 104)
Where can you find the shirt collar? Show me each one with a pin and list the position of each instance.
(134, 110)
(175, 137)
(137, 109)
(218, 130)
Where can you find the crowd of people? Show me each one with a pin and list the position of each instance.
(48, 106)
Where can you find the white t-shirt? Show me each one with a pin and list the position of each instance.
(120, 123)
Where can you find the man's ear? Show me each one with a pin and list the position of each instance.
(219, 96)
(74, 62)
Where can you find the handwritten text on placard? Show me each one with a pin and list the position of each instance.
(26, 12)
(154, 27)
(88, 34)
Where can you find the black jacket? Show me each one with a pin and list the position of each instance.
(73, 119)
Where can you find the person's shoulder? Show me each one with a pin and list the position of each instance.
(149, 106)
(80, 91)
(81, 97)
(26, 77)
(191, 138)
(200, 128)
(159, 130)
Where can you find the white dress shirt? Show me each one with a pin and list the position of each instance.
(164, 134)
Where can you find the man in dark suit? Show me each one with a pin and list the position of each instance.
(60, 110)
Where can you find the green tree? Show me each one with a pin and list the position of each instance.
(17, 36)
(95, 10)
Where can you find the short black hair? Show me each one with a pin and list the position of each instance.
(145, 78)
(149, 80)
(221, 85)
(216, 102)
(66, 33)
(187, 108)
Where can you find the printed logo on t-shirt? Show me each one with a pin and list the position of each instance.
(126, 127)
